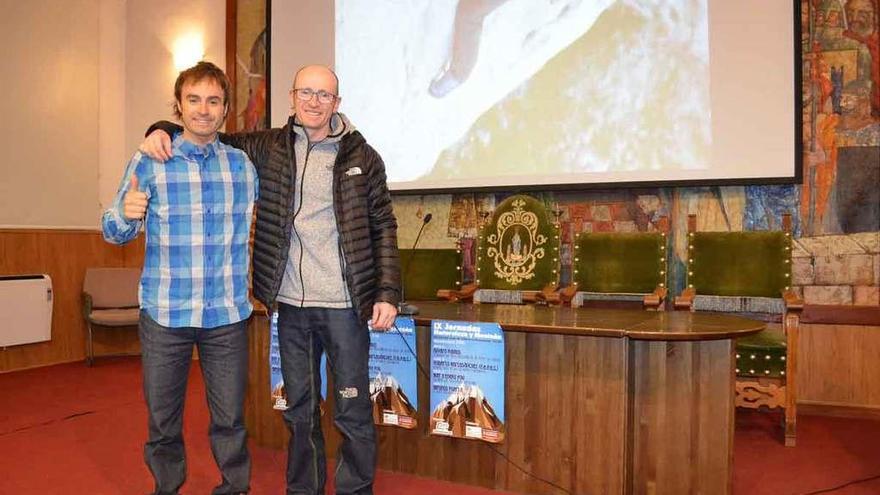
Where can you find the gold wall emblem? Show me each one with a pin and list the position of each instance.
(516, 246)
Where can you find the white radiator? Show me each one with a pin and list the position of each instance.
(25, 309)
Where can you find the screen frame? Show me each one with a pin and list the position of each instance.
(795, 178)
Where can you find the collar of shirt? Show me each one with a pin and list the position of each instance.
(193, 151)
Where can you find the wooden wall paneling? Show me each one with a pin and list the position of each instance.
(552, 455)
(64, 255)
(838, 367)
(562, 395)
(133, 253)
(572, 414)
(866, 389)
(598, 415)
(826, 372)
(516, 393)
(265, 425)
(688, 387)
(533, 412)
(548, 444)
(424, 461)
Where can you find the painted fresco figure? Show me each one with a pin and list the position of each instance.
(863, 19)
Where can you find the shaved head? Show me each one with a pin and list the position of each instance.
(317, 70)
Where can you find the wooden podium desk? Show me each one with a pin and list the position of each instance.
(599, 401)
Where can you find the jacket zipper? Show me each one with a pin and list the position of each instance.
(302, 248)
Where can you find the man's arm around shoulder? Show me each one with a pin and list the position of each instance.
(256, 144)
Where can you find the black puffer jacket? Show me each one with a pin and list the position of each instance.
(364, 217)
(365, 221)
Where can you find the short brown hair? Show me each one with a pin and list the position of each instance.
(195, 74)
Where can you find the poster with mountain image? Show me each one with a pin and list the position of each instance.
(467, 380)
(394, 376)
(277, 394)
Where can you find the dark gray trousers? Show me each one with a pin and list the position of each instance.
(303, 334)
(166, 354)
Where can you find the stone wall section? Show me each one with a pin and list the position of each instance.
(838, 269)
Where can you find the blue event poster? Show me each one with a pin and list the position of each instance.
(394, 375)
(276, 380)
(277, 394)
(467, 380)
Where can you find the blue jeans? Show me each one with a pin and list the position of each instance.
(166, 354)
(303, 334)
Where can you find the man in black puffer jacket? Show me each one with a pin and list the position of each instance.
(325, 255)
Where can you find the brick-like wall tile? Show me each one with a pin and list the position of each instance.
(852, 269)
(866, 295)
(828, 294)
(802, 271)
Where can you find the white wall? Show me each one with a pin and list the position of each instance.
(49, 103)
(152, 29)
(112, 145)
(81, 81)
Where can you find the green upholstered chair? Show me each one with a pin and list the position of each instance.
(427, 271)
(620, 269)
(457, 290)
(517, 255)
(749, 273)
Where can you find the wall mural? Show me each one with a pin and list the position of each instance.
(835, 212)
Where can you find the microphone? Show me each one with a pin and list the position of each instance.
(404, 308)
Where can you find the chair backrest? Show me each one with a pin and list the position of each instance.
(112, 287)
(620, 262)
(518, 249)
(746, 264)
(425, 271)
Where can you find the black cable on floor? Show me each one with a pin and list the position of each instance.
(46, 423)
(844, 485)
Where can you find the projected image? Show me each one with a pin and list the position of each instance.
(508, 92)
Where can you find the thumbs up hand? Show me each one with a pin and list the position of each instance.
(134, 205)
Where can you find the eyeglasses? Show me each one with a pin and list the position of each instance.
(306, 94)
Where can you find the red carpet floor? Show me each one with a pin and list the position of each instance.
(70, 429)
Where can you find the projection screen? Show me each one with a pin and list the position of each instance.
(553, 94)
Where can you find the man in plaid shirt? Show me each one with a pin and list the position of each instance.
(194, 287)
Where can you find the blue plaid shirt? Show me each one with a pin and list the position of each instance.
(200, 206)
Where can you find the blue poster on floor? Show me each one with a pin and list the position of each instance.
(276, 380)
(467, 380)
(394, 386)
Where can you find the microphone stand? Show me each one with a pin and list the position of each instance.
(404, 308)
